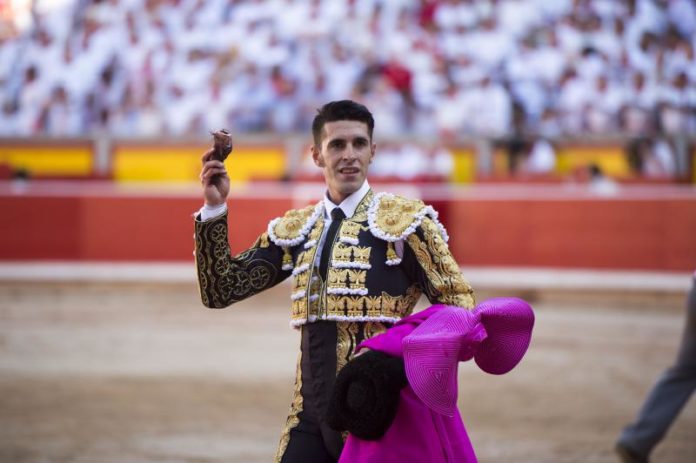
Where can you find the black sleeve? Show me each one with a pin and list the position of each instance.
(437, 272)
(224, 279)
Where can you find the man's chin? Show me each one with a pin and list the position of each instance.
(351, 186)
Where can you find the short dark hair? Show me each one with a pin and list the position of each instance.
(342, 110)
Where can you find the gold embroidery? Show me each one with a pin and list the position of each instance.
(391, 252)
(408, 301)
(448, 286)
(360, 214)
(345, 343)
(301, 280)
(299, 308)
(373, 304)
(341, 253)
(385, 305)
(361, 254)
(287, 258)
(350, 230)
(356, 278)
(395, 214)
(337, 277)
(315, 233)
(373, 329)
(388, 304)
(290, 225)
(335, 304)
(305, 257)
(354, 306)
(295, 409)
(223, 279)
(262, 241)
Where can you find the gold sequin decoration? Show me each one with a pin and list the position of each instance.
(335, 305)
(315, 233)
(360, 214)
(341, 253)
(389, 304)
(350, 229)
(337, 277)
(300, 282)
(345, 343)
(354, 306)
(287, 257)
(372, 329)
(391, 252)
(440, 268)
(395, 214)
(295, 409)
(361, 254)
(373, 306)
(356, 278)
(299, 308)
(290, 226)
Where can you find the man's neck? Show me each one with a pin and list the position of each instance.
(349, 203)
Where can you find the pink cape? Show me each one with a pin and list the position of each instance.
(428, 426)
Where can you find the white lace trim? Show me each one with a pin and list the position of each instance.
(286, 267)
(318, 210)
(310, 244)
(313, 297)
(343, 318)
(298, 295)
(396, 261)
(300, 269)
(362, 265)
(302, 321)
(417, 219)
(348, 240)
(347, 291)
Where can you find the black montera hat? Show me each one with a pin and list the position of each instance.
(366, 395)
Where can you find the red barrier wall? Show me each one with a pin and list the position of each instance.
(632, 231)
(628, 234)
(127, 228)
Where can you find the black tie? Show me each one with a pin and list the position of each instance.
(337, 217)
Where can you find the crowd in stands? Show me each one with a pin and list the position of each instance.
(486, 68)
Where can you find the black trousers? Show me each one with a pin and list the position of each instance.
(308, 445)
(312, 440)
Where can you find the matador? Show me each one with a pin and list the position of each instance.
(359, 262)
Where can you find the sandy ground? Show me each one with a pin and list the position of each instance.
(106, 373)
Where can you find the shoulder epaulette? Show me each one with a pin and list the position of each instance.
(393, 218)
(291, 229)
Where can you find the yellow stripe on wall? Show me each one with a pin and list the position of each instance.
(611, 159)
(464, 169)
(183, 164)
(49, 161)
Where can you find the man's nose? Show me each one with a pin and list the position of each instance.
(349, 152)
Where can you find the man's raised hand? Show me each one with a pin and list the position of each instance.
(214, 178)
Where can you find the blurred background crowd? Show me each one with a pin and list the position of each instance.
(503, 69)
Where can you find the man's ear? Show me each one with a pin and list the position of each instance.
(373, 150)
(318, 158)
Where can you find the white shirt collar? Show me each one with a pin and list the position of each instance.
(349, 205)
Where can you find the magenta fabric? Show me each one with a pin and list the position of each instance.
(416, 435)
(496, 333)
(428, 426)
